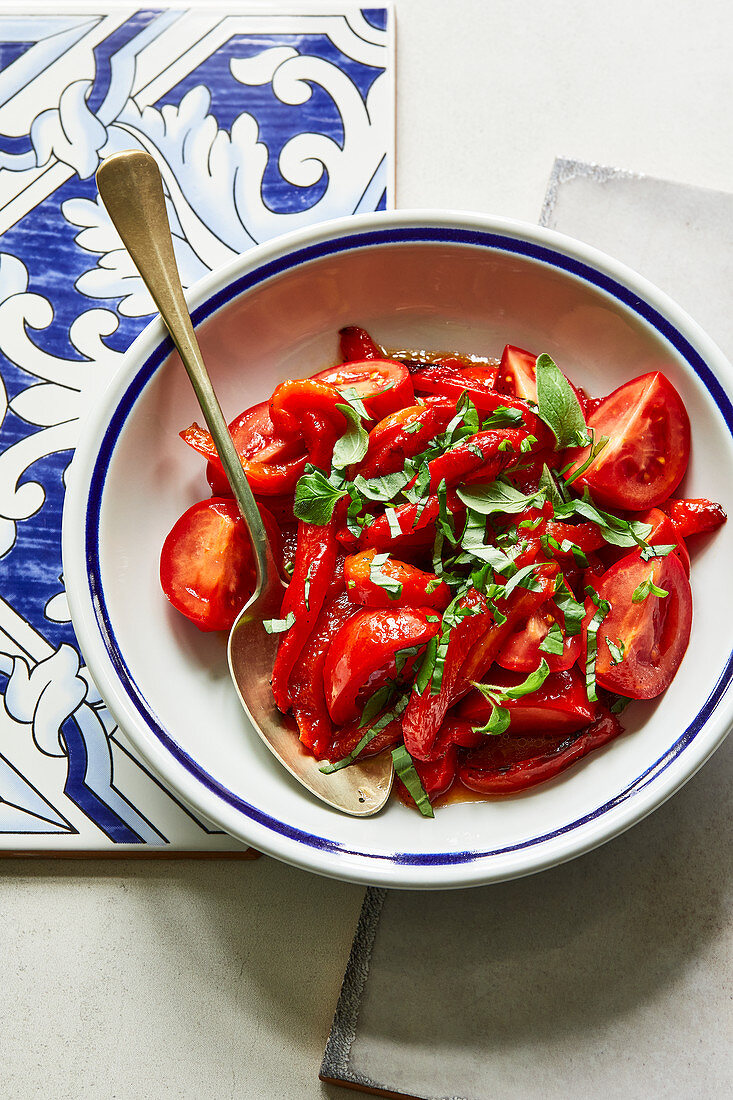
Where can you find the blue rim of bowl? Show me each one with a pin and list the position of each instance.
(305, 255)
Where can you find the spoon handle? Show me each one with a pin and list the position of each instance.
(131, 188)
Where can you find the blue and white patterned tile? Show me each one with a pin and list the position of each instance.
(262, 122)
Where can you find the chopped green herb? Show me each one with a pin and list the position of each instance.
(382, 722)
(647, 588)
(497, 496)
(603, 607)
(595, 450)
(498, 723)
(659, 551)
(502, 417)
(558, 406)
(406, 771)
(573, 612)
(316, 497)
(392, 587)
(353, 444)
(554, 641)
(616, 649)
(279, 626)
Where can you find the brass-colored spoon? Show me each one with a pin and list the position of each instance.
(131, 188)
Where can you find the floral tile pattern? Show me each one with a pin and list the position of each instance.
(262, 123)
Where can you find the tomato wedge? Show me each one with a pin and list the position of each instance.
(648, 445)
(207, 568)
(361, 657)
(272, 462)
(521, 651)
(651, 631)
(383, 385)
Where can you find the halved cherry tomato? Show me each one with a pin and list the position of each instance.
(272, 462)
(418, 589)
(648, 445)
(559, 706)
(521, 651)
(694, 516)
(356, 344)
(652, 631)
(207, 568)
(507, 764)
(382, 384)
(361, 657)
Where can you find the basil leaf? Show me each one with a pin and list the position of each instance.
(534, 681)
(405, 769)
(498, 722)
(383, 488)
(616, 649)
(647, 588)
(592, 642)
(425, 671)
(392, 587)
(502, 417)
(498, 496)
(353, 444)
(551, 487)
(279, 626)
(349, 393)
(522, 577)
(382, 722)
(558, 406)
(315, 497)
(659, 551)
(553, 642)
(573, 612)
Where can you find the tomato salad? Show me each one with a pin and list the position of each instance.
(485, 565)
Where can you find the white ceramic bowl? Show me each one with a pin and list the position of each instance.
(454, 282)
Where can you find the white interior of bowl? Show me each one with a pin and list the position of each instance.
(427, 295)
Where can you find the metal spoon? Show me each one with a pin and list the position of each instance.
(131, 188)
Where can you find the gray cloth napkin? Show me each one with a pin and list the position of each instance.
(608, 976)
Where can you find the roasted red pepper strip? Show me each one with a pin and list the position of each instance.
(558, 707)
(694, 516)
(522, 603)
(480, 454)
(315, 559)
(356, 344)
(507, 764)
(452, 382)
(349, 736)
(362, 654)
(452, 376)
(418, 588)
(292, 399)
(403, 434)
(410, 519)
(306, 680)
(425, 712)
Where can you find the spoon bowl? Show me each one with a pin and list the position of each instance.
(131, 188)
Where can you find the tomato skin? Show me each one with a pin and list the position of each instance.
(384, 385)
(478, 456)
(646, 457)
(694, 516)
(361, 589)
(517, 373)
(508, 764)
(364, 648)
(559, 706)
(521, 651)
(207, 568)
(655, 631)
(450, 377)
(273, 462)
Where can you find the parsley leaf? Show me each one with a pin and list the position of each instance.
(316, 497)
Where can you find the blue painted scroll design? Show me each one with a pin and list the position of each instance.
(261, 123)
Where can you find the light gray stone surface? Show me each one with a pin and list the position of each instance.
(219, 980)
